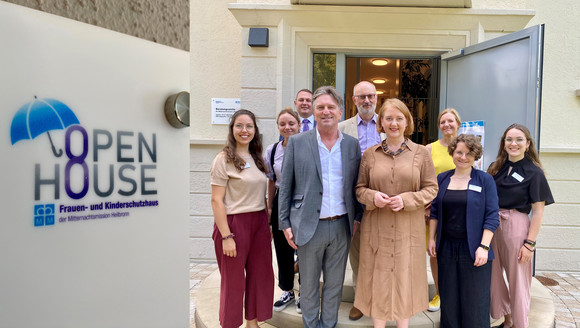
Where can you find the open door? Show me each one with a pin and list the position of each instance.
(498, 81)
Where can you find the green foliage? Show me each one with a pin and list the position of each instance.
(324, 70)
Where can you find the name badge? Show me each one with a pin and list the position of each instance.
(474, 188)
(518, 177)
(247, 166)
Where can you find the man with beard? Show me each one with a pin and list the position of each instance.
(363, 126)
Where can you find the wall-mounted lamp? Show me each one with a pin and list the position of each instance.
(177, 110)
(380, 92)
(258, 37)
(379, 81)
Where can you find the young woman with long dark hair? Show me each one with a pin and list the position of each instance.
(522, 188)
(241, 231)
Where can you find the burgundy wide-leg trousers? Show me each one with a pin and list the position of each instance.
(248, 274)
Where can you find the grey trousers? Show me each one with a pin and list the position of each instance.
(325, 253)
(354, 256)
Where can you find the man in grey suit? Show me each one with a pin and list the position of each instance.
(318, 210)
(362, 126)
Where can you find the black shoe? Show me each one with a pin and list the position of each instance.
(284, 300)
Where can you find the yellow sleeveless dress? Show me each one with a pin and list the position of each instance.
(441, 158)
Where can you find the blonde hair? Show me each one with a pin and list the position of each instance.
(394, 102)
(291, 112)
(452, 111)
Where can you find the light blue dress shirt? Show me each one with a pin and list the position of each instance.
(332, 183)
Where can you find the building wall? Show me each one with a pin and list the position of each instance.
(266, 79)
(558, 244)
(164, 22)
(215, 72)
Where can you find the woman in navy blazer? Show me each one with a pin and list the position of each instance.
(464, 216)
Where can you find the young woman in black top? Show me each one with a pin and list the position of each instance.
(522, 187)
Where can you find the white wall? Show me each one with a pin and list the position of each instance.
(558, 246)
(215, 65)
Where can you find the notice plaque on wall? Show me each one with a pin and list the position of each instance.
(222, 109)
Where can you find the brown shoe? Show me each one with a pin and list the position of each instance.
(355, 314)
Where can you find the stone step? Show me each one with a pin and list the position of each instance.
(348, 289)
(207, 309)
(289, 318)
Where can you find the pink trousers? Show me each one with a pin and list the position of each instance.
(513, 298)
(248, 278)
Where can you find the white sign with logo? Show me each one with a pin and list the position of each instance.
(222, 109)
(94, 183)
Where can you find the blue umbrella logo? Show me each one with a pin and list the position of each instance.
(40, 116)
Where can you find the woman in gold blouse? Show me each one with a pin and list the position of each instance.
(396, 180)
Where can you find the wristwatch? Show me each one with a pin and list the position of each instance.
(484, 247)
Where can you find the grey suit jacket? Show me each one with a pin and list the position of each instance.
(300, 193)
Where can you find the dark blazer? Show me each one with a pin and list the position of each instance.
(300, 193)
(482, 207)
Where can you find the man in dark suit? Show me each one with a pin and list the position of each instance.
(318, 210)
(303, 106)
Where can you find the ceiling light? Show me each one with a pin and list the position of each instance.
(379, 62)
(379, 81)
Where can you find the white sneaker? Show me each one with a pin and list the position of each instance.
(298, 309)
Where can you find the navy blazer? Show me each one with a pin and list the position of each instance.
(482, 207)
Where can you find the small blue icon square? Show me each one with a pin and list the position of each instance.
(39, 210)
(43, 215)
(49, 220)
(38, 221)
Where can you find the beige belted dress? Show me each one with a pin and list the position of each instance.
(392, 276)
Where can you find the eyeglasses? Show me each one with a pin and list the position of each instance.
(241, 127)
(509, 141)
(363, 97)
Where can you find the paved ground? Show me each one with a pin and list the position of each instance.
(198, 271)
(566, 293)
(566, 297)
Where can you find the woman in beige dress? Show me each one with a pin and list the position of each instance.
(396, 180)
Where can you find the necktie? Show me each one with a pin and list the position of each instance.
(305, 122)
